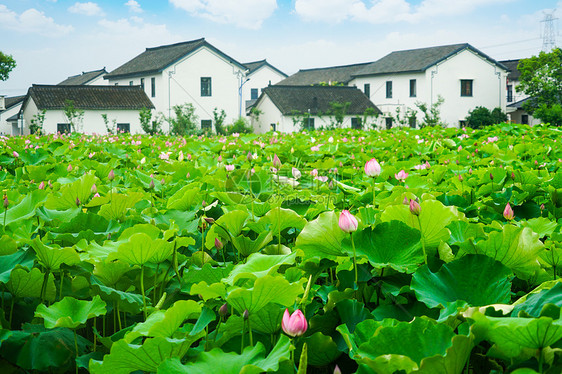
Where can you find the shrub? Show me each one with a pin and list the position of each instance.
(482, 117)
(240, 126)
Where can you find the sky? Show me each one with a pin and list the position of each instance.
(54, 39)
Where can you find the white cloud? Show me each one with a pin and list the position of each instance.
(248, 14)
(31, 21)
(385, 11)
(87, 9)
(134, 6)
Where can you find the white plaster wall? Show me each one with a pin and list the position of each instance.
(185, 86)
(5, 127)
(260, 79)
(99, 81)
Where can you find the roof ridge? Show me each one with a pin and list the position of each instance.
(337, 66)
(176, 44)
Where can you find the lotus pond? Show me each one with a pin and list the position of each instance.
(130, 253)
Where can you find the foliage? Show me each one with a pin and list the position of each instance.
(37, 122)
(149, 125)
(431, 113)
(338, 112)
(179, 263)
(185, 120)
(240, 126)
(369, 115)
(541, 80)
(218, 120)
(301, 121)
(406, 118)
(74, 115)
(110, 126)
(7, 64)
(481, 117)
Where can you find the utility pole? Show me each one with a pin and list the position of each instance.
(549, 33)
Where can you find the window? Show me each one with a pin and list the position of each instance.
(524, 119)
(356, 123)
(117, 84)
(367, 90)
(153, 87)
(412, 122)
(389, 89)
(462, 123)
(63, 127)
(205, 86)
(254, 94)
(388, 122)
(413, 88)
(308, 123)
(466, 87)
(130, 83)
(206, 125)
(123, 127)
(509, 93)
(142, 83)
(272, 126)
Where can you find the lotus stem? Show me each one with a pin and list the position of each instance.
(422, 241)
(75, 349)
(354, 259)
(374, 183)
(44, 285)
(118, 315)
(11, 311)
(142, 292)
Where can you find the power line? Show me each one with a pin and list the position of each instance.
(511, 43)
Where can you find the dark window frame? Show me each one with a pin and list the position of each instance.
(413, 88)
(254, 93)
(207, 124)
(123, 127)
(65, 126)
(389, 89)
(142, 83)
(509, 93)
(153, 87)
(206, 87)
(388, 122)
(356, 123)
(467, 88)
(367, 90)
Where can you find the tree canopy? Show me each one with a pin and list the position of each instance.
(7, 64)
(541, 79)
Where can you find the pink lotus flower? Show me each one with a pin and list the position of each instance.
(229, 167)
(401, 176)
(218, 244)
(16, 155)
(296, 173)
(508, 213)
(94, 188)
(294, 324)
(347, 222)
(41, 186)
(69, 168)
(276, 162)
(415, 207)
(372, 168)
(111, 175)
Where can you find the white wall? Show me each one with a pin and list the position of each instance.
(92, 122)
(5, 127)
(98, 81)
(260, 79)
(443, 79)
(185, 86)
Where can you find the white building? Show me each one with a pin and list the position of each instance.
(89, 78)
(462, 75)
(514, 98)
(294, 108)
(119, 105)
(9, 108)
(192, 72)
(260, 74)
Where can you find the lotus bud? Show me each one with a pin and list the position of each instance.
(151, 185)
(347, 222)
(372, 168)
(296, 173)
(513, 175)
(41, 185)
(542, 206)
(276, 162)
(294, 324)
(209, 220)
(218, 244)
(415, 207)
(223, 310)
(163, 181)
(94, 188)
(508, 213)
(6, 202)
(69, 168)
(401, 176)
(220, 158)
(249, 156)
(78, 202)
(111, 175)
(203, 203)
(15, 154)
(460, 178)
(491, 176)
(406, 201)
(337, 370)
(246, 314)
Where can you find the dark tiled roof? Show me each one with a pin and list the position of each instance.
(90, 97)
(83, 78)
(519, 104)
(317, 99)
(154, 60)
(417, 60)
(12, 101)
(253, 66)
(308, 77)
(511, 65)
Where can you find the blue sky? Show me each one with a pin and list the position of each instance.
(53, 39)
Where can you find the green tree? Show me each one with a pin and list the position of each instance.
(338, 111)
(73, 115)
(240, 126)
(7, 64)
(218, 119)
(482, 117)
(37, 122)
(431, 114)
(185, 120)
(148, 124)
(541, 79)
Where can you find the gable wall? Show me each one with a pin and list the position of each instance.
(260, 79)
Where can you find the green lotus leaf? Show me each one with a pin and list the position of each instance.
(9, 262)
(434, 217)
(476, 279)
(363, 332)
(389, 244)
(83, 226)
(34, 157)
(119, 205)
(141, 249)
(8, 246)
(462, 231)
(515, 247)
(268, 319)
(247, 246)
(512, 335)
(184, 199)
(53, 257)
(258, 265)
(321, 237)
(125, 358)
(109, 273)
(266, 289)
(207, 274)
(70, 312)
(54, 216)
(352, 312)
(26, 283)
(280, 219)
(251, 361)
(535, 303)
(128, 302)
(205, 317)
(429, 345)
(26, 208)
(322, 349)
(232, 221)
(542, 226)
(80, 190)
(208, 291)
